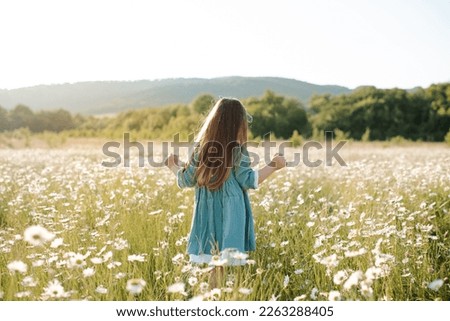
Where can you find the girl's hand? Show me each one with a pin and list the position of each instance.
(171, 161)
(278, 161)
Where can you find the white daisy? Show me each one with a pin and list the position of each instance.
(88, 272)
(57, 243)
(54, 290)
(340, 277)
(135, 286)
(216, 261)
(245, 291)
(353, 280)
(101, 289)
(334, 296)
(76, 260)
(96, 260)
(137, 258)
(23, 294)
(37, 235)
(17, 266)
(29, 281)
(176, 288)
(314, 293)
(192, 281)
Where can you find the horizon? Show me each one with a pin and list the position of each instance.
(211, 78)
(350, 43)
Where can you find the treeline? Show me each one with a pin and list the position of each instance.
(369, 113)
(23, 117)
(365, 114)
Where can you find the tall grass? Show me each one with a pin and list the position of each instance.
(377, 229)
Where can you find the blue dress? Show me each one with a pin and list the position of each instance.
(222, 219)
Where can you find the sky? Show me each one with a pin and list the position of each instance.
(396, 43)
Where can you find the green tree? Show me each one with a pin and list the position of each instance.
(203, 103)
(4, 124)
(279, 115)
(21, 116)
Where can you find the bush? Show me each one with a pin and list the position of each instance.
(296, 139)
(447, 138)
(398, 140)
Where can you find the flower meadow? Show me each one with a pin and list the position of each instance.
(376, 229)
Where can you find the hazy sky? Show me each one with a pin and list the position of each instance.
(385, 43)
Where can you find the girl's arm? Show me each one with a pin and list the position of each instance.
(173, 163)
(277, 163)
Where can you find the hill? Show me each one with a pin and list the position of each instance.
(103, 97)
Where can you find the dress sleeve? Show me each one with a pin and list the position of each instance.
(245, 175)
(186, 176)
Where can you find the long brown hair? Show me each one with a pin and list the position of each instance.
(224, 129)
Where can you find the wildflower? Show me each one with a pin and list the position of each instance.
(22, 294)
(353, 280)
(37, 263)
(300, 298)
(113, 264)
(340, 277)
(436, 284)
(101, 289)
(120, 275)
(135, 286)
(361, 251)
(374, 273)
(108, 255)
(286, 281)
(37, 235)
(54, 290)
(192, 281)
(157, 274)
(96, 260)
(203, 287)
(177, 259)
(29, 281)
(330, 261)
(134, 257)
(120, 244)
(284, 243)
(216, 261)
(76, 260)
(366, 288)
(187, 268)
(313, 294)
(334, 296)
(88, 272)
(298, 271)
(245, 291)
(56, 243)
(17, 266)
(176, 288)
(215, 293)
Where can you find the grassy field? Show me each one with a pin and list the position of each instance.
(377, 229)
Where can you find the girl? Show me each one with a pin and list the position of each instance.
(219, 169)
